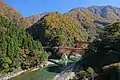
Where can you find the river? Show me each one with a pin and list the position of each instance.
(47, 73)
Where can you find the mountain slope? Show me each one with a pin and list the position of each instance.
(11, 14)
(57, 27)
(34, 18)
(91, 22)
(18, 50)
(108, 12)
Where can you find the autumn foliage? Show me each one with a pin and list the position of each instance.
(10, 13)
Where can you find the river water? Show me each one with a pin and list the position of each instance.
(47, 73)
(41, 74)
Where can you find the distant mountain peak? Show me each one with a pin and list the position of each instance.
(34, 18)
(89, 20)
(108, 12)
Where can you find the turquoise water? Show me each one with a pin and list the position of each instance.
(41, 74)
(47, 73)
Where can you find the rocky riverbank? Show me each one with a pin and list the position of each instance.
(14, 74)
(11, 75)
(66, 76)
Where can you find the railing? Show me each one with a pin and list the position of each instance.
(78, 47)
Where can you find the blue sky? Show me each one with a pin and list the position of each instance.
(29, 7)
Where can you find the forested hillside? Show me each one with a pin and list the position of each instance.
(91, 22)
(56, 29)
(27, 43)
(108, 12)
(56, 26)
(11, 14)
(93, 18)
(103, 56)
(18, 50)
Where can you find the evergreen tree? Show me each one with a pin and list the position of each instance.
(18, 50)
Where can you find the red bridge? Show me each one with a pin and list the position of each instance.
(80, 47)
